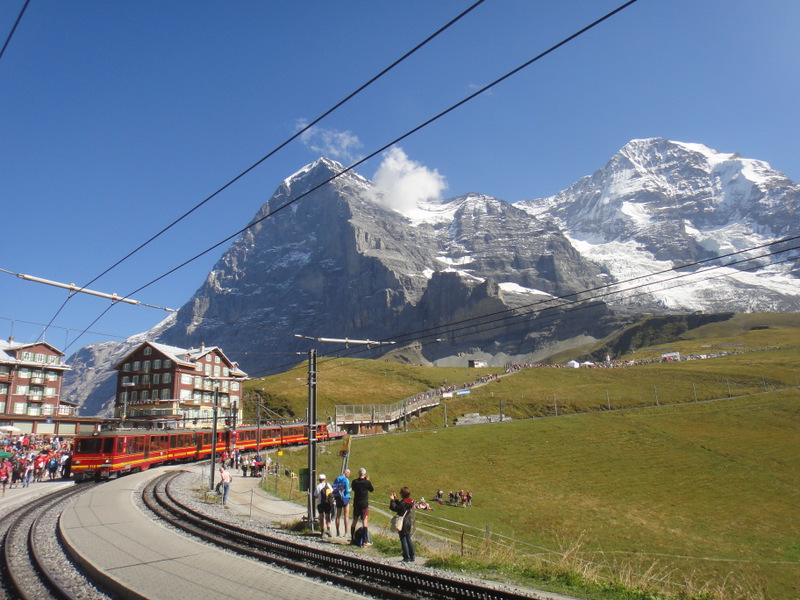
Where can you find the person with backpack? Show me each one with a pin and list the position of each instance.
(361, 488)
(404, 507)
(324, 495)
(341, 497)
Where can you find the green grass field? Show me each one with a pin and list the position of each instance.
(684, 497)
(704, 493)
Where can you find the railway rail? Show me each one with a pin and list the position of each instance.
(34, 563)
(378, 579)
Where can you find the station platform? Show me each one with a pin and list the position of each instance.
(141, 559)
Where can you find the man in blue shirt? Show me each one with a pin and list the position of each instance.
(341, 495)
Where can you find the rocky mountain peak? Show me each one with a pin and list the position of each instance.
(337, 263)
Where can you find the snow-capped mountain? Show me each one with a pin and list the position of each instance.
(492, 280)
(659, 204)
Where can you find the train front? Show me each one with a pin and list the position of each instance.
(92, 457)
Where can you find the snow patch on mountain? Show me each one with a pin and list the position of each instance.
(515, 288)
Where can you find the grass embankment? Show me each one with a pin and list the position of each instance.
(685, 497)
(695, 498)
(767, 359)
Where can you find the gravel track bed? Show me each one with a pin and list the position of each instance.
(55, 559)
(185, 490)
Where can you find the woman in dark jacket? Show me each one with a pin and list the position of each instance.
(404, 507)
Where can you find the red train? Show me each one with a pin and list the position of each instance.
(110, 453)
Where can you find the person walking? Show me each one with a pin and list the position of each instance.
(324, 495)
(361, 488)
(225, 478)
(341, 496)
(404, 507)
(5, 474)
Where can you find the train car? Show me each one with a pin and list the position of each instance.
(111, 453)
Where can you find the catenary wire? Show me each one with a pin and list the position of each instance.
(389, 145)
(630, 280)
(452, 330)
(579, 304)
(252, 167)
(14, 28)
(383, 148)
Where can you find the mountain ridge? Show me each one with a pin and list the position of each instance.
(338, 263)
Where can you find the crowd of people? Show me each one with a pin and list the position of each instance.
(460, 498)
(334, 501)
(254, 466)
(28, 458)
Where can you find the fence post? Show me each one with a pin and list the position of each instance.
(608, 400)
(555, 403)
(655, 391)
(694, 391)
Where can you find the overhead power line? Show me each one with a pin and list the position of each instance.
(14, 28)
(383, 148)
(276, 149)
(66, 329)
(392, 143)
(579, 301)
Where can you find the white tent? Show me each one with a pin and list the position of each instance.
(574, 364)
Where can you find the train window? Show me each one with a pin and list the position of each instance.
(88, 445)
(175, 441)
(108, 446)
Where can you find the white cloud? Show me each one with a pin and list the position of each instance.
(330, 143)
(401, 183)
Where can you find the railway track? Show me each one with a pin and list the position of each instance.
(374, 578)
(34, 563)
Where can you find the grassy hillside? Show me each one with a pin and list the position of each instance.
(767, 359)
(663, 490)
(704, 493)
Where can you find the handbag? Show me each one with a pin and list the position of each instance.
(397, 522)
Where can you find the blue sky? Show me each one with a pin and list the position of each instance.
(118, 117)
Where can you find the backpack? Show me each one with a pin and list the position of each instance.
(358, 537)
(325, 497)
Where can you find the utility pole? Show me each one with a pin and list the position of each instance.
(312, 413)
(214, 436)
(312, 434)
(258, 420)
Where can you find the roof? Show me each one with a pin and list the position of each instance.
(186, 356)
(9, 349)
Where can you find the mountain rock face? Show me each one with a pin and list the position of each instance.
(477, 277)
(659, 204)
